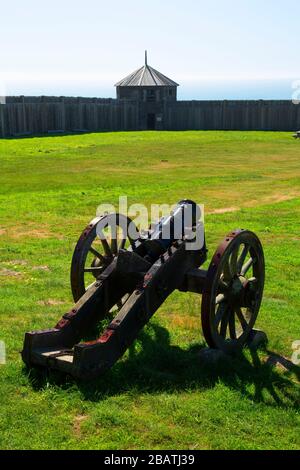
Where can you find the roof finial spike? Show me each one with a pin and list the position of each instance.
(146, 58)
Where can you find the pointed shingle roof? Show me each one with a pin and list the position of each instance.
(146, 76)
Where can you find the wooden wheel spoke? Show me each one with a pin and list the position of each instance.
(247, 266)
(220, 313)
(224, 324)
(97, 254)
(114, 245)
(223, 287)
(232, 329)
(253, 283)
(122, 244)
(96, 269)
(106, 247)
(220, 298)
(223, 318)
(242, 258)
(241, 319)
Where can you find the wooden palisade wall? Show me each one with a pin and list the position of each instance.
(42, 115)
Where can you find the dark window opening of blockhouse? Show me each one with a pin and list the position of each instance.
(150, 96)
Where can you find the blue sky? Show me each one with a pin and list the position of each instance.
(214, 49)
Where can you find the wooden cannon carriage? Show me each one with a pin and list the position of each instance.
(131, 275)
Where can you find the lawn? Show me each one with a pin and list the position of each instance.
(161, 395)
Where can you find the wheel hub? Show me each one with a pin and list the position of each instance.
(238, 285)
(97, 263)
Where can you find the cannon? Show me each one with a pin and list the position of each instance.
(296, 135)
(120, 277)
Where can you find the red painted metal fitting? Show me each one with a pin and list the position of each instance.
(106, 336)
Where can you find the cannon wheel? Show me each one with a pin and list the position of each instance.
(233, 291)
(92, 254)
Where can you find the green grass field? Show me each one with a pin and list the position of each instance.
(160, 395)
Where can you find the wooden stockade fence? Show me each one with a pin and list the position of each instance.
(43, 115)
(233, 115)
(25, 115)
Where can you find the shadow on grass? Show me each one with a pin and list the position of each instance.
(153, 365)
(23, 136)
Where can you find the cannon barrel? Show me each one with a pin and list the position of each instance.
(174, 227)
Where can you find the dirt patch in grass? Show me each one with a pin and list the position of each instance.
(2, 231)
(184, 321)
(35, 233)
(50, 302)
(164, 164)
(276, 198)
(17, 262)
(32, 231)
(9, 273)
(282, 198)
(77, 424)
(40, 268)
(224, 210)
(271, 199)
